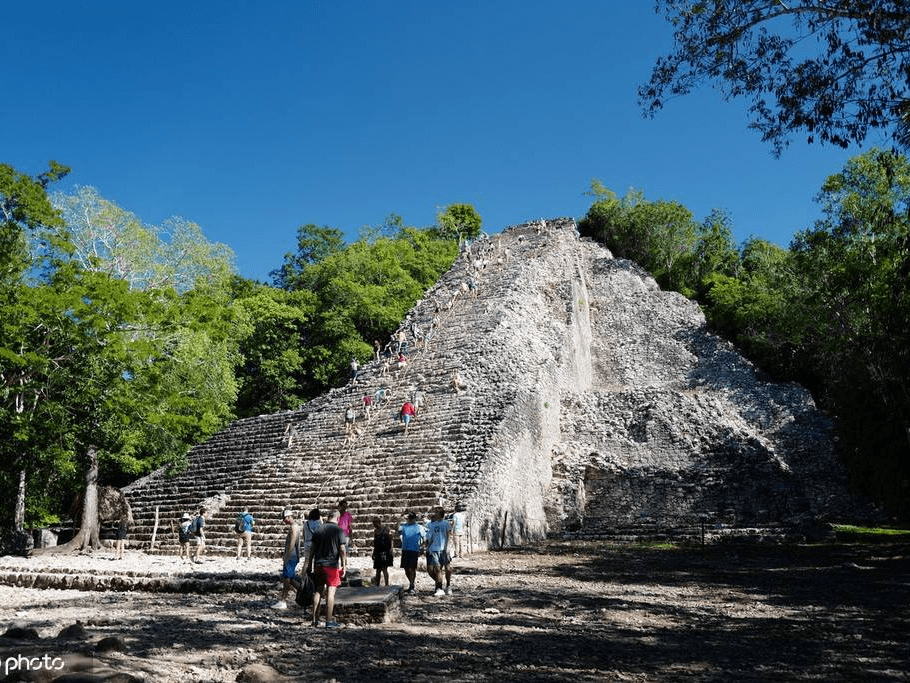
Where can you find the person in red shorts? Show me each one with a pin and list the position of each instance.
(327, 559)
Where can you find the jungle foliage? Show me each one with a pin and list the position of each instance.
(124, 344)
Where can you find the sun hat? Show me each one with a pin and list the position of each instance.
(287, 513)
(186, 515)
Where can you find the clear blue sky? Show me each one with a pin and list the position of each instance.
(251, 118)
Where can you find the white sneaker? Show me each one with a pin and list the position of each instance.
(448, 590)
(439, 592)
(281, 604)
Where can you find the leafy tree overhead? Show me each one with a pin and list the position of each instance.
(833, 69)
(459, 221)
(360, 293)
(314, 244)
(104, 236)
(660, 236)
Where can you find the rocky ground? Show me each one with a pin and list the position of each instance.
(557, 611)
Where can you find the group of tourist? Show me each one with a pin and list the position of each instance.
(192, 528)
(408, 412)
(323, 544)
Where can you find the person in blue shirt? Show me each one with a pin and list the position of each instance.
(413, 536)
(245, 532)
(438, 561)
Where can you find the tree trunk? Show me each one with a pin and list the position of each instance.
(88, 536)
(19, 514)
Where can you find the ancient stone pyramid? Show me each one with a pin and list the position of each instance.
(590, 403)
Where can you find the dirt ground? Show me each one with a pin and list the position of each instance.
(559, 611)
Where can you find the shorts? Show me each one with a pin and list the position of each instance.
(406, 418)
(409, 559)
(438, 559)
(327, 576)
(289, 571)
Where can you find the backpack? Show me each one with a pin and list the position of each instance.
(184, 532)
(305, 590)
(238, 523)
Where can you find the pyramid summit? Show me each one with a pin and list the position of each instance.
(562, 391)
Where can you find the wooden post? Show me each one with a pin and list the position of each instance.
(154, 530)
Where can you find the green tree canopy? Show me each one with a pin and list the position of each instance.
(106, 237)
(459, 221)
(360, 294)
(834, 69)
(855, 313)
(660, 236)
(314, 244)
(274, 328)
(112, 361)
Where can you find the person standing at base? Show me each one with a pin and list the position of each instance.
(382, 551)
(327, 560)
(184, 531)
(199, 532)
(123, 530)
(459, 529)
(438, 562)
(245, 524)
(313, 522)
(290, 559)
(412, 537)
(346, 522)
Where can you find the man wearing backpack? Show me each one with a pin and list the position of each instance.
(183, 533)
(243, 525)
(199, 533)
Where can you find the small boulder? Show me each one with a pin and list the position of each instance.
(21, 633)
(260, 673)
(111, 644)
(74, 632)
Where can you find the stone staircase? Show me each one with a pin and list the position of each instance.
(590, 403)
(303, 459)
